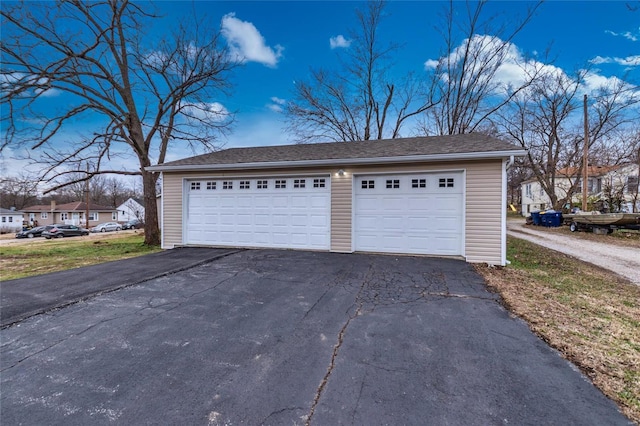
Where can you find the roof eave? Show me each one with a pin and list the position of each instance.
(342, 161)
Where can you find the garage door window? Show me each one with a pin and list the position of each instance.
(368, 184)
(281, 184)
(418, 183)
(298, 183)
(263, 184)
(445, 183)
(245, 184)
(211, 185)
(318, 183)
(393, 183)
(227, 184)
(195, 186)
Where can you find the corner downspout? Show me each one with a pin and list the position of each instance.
(503, 238)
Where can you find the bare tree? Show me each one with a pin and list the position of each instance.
(18, 192)
(546, 120)
(464, 84)
(144, 94)
(359, 101)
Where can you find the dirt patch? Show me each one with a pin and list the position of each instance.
(590, 315)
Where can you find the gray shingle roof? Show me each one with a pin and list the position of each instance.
(372, 149)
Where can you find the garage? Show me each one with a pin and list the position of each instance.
(281, 212)
(426, 195)
(415, 213)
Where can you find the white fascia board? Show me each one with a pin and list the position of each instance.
(341, 161)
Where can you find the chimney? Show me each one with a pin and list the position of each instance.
(53, 205)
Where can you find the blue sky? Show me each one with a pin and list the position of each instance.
(282, 40)
(603, 35)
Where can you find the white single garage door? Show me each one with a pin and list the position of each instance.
(283, 212)
(417, 213)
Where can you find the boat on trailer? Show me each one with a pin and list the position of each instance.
(596, 221)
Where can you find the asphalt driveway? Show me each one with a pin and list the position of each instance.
(290, 337)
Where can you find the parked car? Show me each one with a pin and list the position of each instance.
(133, 224)
(59, 231)
(33, 232)
(107, 226)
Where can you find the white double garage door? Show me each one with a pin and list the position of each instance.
(419, 213)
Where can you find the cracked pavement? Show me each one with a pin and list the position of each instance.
(290, 337)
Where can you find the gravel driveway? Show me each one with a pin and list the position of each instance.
(624, 261)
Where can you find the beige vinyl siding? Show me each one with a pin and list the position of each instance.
(341, 202)
(172, 210)
(484, 213)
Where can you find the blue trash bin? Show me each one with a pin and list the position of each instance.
(554, 219)
(535, 216)
(544, 219)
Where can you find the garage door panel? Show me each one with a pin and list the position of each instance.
(242, 213)
(413, 213)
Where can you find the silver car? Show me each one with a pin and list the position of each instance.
(107, 226)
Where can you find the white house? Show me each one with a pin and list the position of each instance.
(607, 185)
(10, 220)
(131, 209)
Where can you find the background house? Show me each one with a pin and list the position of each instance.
(69, 213)
(610, 188)
(131, 209)
(10, 220)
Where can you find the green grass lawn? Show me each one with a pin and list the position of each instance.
(21, 261)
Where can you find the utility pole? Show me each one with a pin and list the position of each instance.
(585, 158)
(86, 192)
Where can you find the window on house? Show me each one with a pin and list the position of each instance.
(245, 184)
(4, 219)
(632, 185)
(527, 190)
(418, 183)
(368, 184)
(262, 184)
(298, 183)
(10, 218)
(94, 216)
(227, 184)
(318, 183)
(445, 182)
(281, 184)
(393, 183)
(64, 216)
(114, 216)
(211, 185)
(195, 186)
(44, 215)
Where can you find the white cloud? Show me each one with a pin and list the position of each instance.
(246, 42)
(514, 69)
(431, 64)
(629, 61)
(38, 86)
(213, 111)
(339, 41)
(627, 34)
(277, 104)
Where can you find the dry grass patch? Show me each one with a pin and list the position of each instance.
(41, 257)
(590, 315)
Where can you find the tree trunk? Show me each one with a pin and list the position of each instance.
(151, 228)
